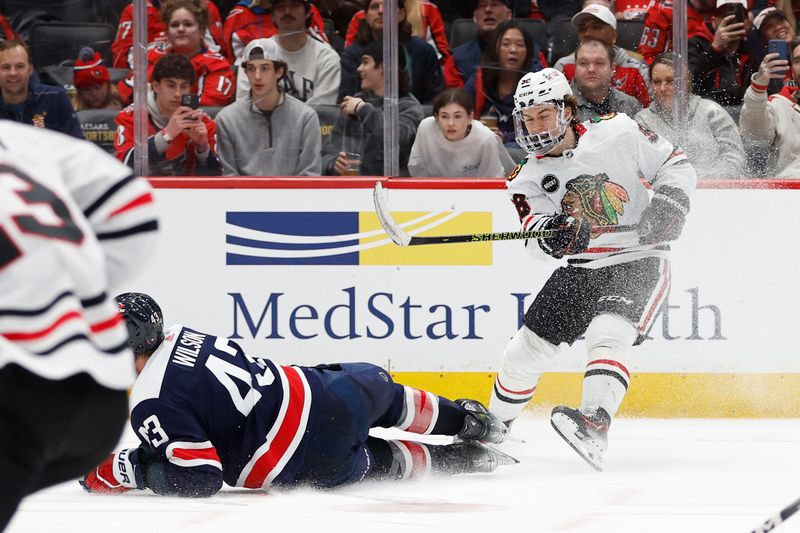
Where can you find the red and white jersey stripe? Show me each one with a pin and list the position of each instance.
(191, 454)
(285, 434)
(74, 225)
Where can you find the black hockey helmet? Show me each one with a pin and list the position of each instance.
(144, 320)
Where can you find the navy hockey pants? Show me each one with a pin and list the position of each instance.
(355, 397)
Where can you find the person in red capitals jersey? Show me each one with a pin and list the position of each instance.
(186, 23)
(181, 140)
(584, 181)
(75, 226)
(157, 33)
(252, 19)
(206, 413)
(630, 74)
(657, 31)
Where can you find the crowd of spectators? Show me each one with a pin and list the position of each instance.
(296, 87)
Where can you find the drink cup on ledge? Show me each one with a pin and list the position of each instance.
(353, 164)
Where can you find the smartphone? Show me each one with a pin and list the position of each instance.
(737, 10)
(190, 100)
(777, 46)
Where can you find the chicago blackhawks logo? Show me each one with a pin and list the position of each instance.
(594, 199)
(516, 170)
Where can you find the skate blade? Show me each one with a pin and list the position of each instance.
(568, 434)
(502, 458)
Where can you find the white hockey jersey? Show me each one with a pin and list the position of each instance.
(600, 181)
(74, 224)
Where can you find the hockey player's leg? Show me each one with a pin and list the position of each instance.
(609, 338)
(395, 459)
(419, 411)
(526, 356)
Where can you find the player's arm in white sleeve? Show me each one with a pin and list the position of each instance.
(118, 205)
(534, 208)
(660, 162)
(673, 179)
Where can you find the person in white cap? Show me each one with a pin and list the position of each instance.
(271, 133)
(582, 181)
(774, 24)
(313, 73)
(720, 59)
(775, 119)
(630, 74)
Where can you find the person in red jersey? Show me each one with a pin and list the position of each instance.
(252, 19)
(157, 32)
(181, 141)
(187, 21)
(657, 31)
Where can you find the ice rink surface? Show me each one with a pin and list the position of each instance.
(660, 476)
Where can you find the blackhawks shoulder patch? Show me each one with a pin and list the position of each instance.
(513, 173)
(596, 120)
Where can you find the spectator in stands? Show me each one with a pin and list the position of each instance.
(186, 22)
(427, 24)
(510, 55)
(24, 100)
(593, 85)
(180, 140)
(657, 31)
(93, 88)
(271, 132)
(361, 123)
(157, 33)
(711, 142)
(252, 19)
(630, 76)
(771, 23)
(720, 60)
(312, 73)
(452, 143)
(488, 15)
(775, 120)
(423, 65)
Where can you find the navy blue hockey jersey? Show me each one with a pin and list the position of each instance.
(206, 412)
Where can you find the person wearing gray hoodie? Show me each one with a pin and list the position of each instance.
(711, 141)
(270, 133)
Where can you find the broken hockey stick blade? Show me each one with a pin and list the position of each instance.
(401, 238)
(774, 521)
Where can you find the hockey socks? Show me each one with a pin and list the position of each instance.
(395, 459)
(419, 411)
(604, 385)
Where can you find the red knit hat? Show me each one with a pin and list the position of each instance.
(89, 69)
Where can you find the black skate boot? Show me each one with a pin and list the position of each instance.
(467, 458)
(586, 431)
(480, 424)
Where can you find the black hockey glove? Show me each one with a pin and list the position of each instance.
(572, 237)
(663, 219)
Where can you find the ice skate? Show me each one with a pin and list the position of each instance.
(586, 431)
(480, 424)
(468, 458)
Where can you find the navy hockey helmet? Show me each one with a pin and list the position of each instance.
(144, 320)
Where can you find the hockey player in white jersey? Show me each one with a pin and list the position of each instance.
(74, 223)
(584, 181)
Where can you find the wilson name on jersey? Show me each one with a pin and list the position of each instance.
(207, 412)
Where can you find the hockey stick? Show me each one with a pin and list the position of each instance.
(774, 521)
(401, 238)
